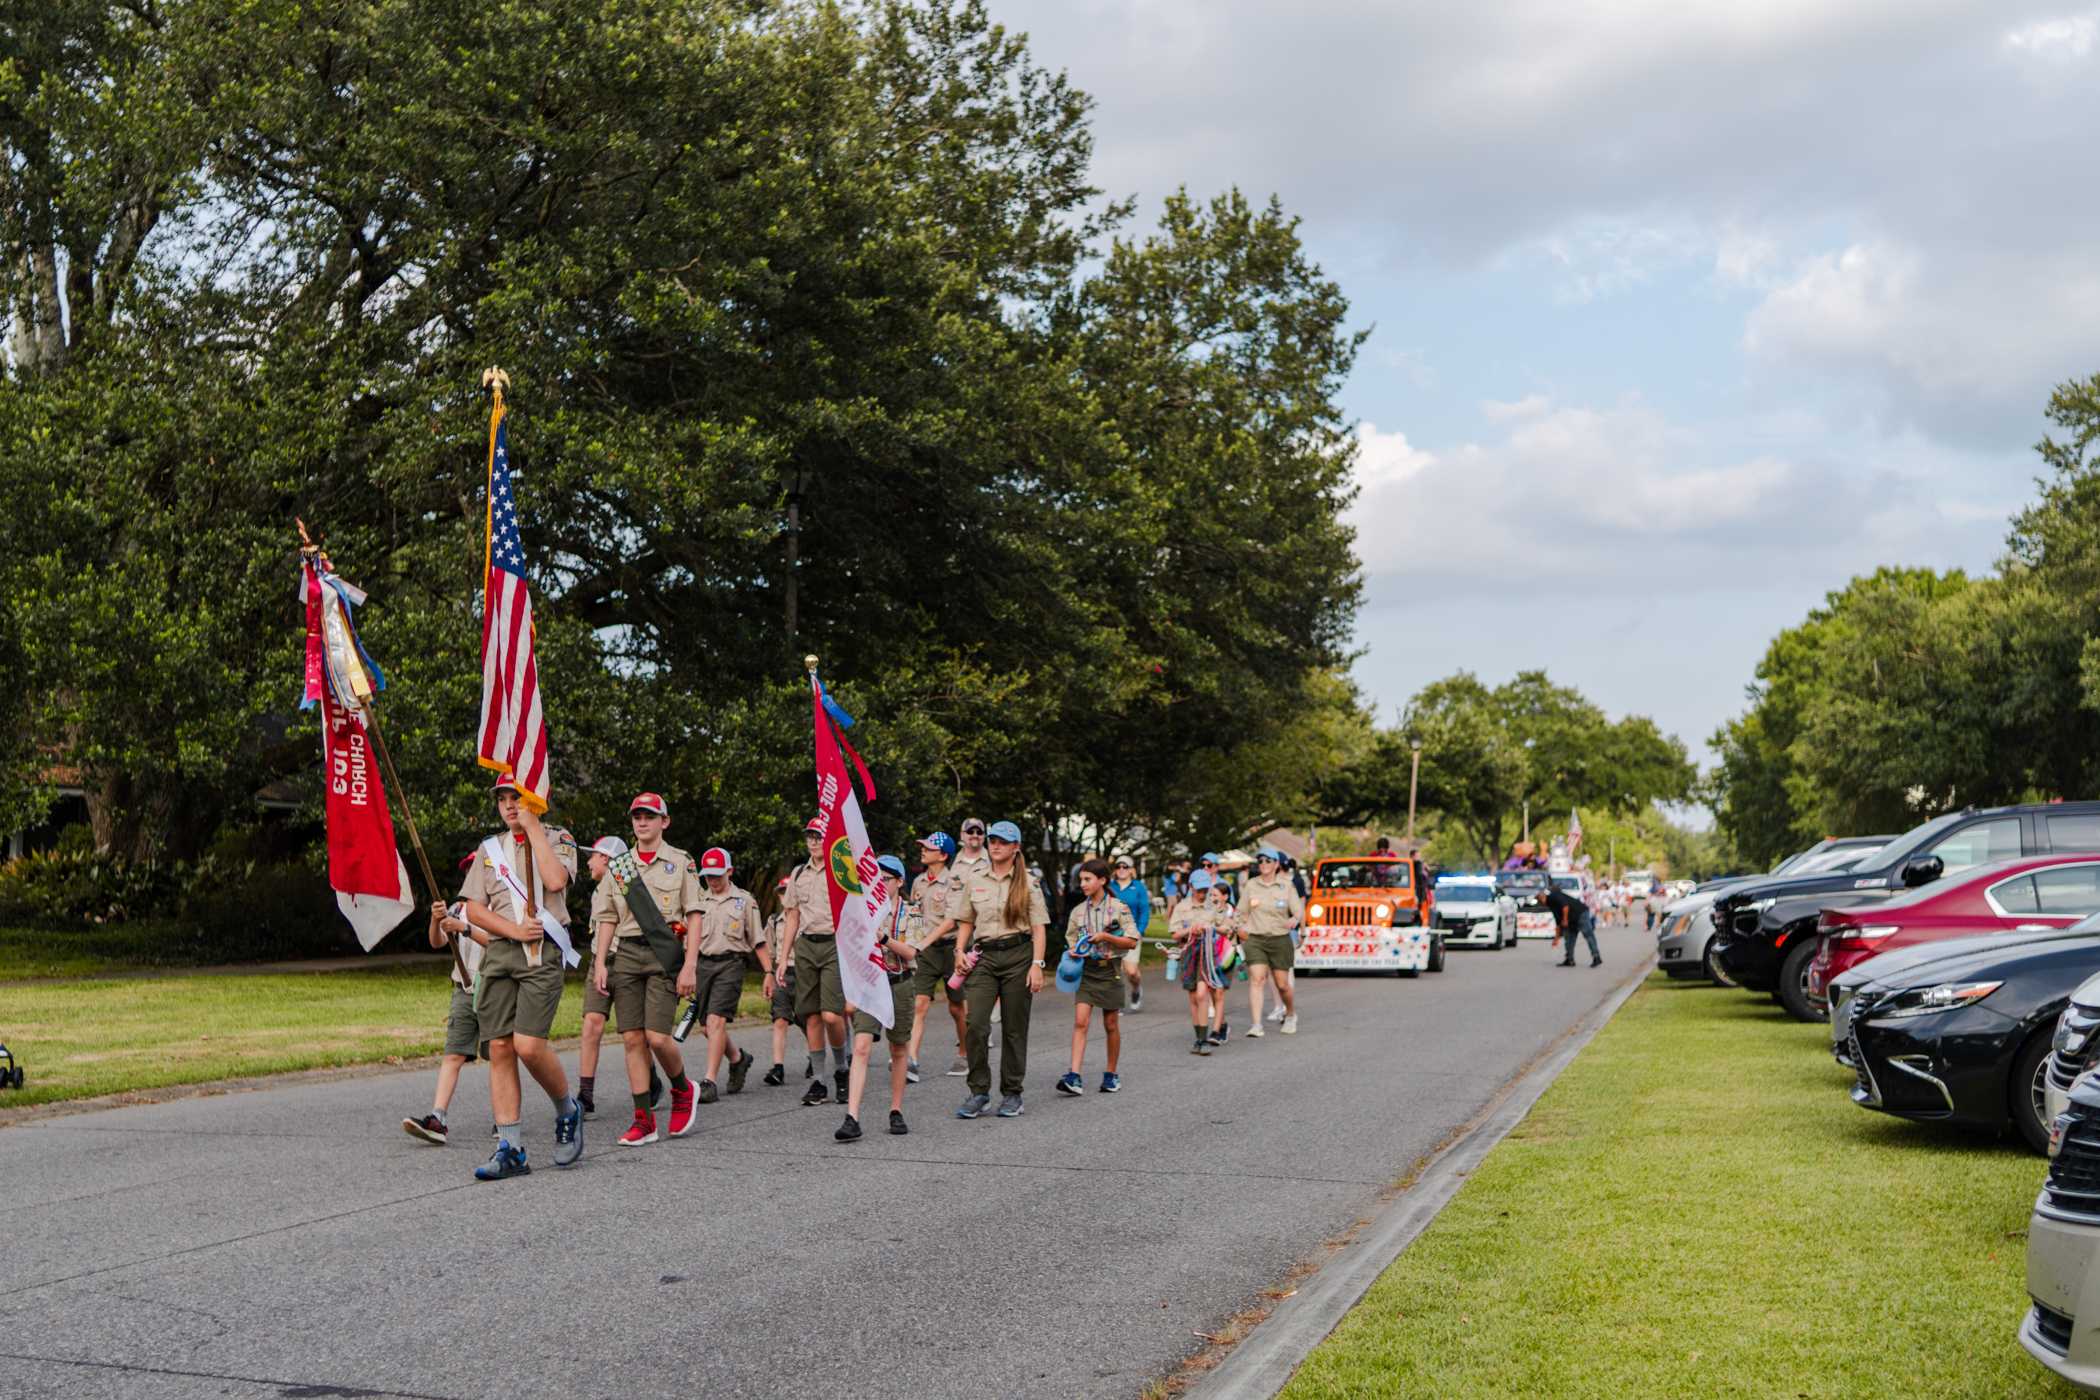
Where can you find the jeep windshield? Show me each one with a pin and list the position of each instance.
(1362, 875)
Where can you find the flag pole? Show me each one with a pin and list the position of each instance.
(312, 551)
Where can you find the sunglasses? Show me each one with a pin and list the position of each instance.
(973, 831)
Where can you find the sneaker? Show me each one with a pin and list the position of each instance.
(1203, 1047)
(589, 1100)
(1010, 1106)
(427, 1128)
(960, 1068)
(1071, 1083)
(1290, 1024)
(708, 1092)
(839, 1081)
(642, 1131)
(1255, 1032)
(1220, 1035)
(897, 1126)
(911, 1071)
(1565, 962)
(1596, 962)
(1137, 1000)
(505, 1161)
(974, 1106)
(849, 1131)
(737, 1072)
(1111, 1083)
(568, 1137)
(495, 1133)
(814, 1094)
(682, 1110)
(1276, 1012)
(775, 1076)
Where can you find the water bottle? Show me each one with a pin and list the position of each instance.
(686, 1022)
(963, 965)
(1174, 966)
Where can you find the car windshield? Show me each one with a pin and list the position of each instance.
(1362, 875)
(1521, 882)
(1479, 891)
(1568, 882)
(1915, 838)
(1835, 861)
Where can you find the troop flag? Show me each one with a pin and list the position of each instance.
(513, 727)
(859, 888)
(364, 866)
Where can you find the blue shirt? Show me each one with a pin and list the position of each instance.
(1137, 899)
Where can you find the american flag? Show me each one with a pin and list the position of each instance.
(513, 728)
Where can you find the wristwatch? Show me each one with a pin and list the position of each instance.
(1038, 963)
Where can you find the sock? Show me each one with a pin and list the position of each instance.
(444, 1119)
(680, 1084)
(841, 1058)
(641, 1103)
(512, 1134)
(587, 1082)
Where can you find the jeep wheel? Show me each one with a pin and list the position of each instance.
(2027, 1092)
(1436, 954)
(1793, 982)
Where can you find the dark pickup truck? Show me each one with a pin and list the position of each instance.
(1765, 930)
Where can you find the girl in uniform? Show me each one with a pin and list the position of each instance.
(897, 955)
(1099, 932)
(1193, 927)
(1003, 918)
(1226, 920)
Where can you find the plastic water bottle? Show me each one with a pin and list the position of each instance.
(1174, 966)
(962, 969)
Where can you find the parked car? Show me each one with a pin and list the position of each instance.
(1965, 1038)
(2077, 1046)
(2063, 1241)
(2028, 895)
(1766, 928)
(1528, 888)
(1474, 912)
(1684, 936)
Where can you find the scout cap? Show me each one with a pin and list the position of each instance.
(1269, 853)
(1003, 831)
(1209, 857)
(716, 861)
(609, 846)
(891, 864)
(973, 825)
(648, 802)
(505, 784)
(814, 826)
(1202, 880)
(940, 841)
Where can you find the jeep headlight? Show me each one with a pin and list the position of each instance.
(1383, 912)
(1313, 911)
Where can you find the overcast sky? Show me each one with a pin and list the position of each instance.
(1684, 313)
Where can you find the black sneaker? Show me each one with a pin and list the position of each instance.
(656, 1090)
(708, 1092)
(897, 1128)
(838, 1084)
(737, 1071)
(427, 1128)
(775, 1076)
(1596, 962)
(814, 1094)
(849, 1131)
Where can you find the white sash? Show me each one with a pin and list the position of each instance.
(492, 850)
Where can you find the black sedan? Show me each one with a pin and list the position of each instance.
(1965, 1039)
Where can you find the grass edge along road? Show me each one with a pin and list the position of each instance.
(1695, 1207)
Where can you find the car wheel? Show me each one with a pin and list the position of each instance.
(1436, 954)
(1793, 982)
(2025, 1093)
(1714, 970)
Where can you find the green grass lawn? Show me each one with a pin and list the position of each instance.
(110, 1035)
(1697, 1208)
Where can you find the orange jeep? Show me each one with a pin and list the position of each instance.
(1374, 914)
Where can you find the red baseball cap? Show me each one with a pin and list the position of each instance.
(648, 802)
(815, 824)
(782, 885)
(716, 862)
(506, 783)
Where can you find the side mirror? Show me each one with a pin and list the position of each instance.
(1923, 871)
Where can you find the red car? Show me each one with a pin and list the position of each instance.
(2031, 892)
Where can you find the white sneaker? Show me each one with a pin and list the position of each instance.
(1290, 1025)
(1276, 1013)
(1255, 1032)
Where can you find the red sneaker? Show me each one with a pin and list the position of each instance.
(682, 1110)
(642, 1130)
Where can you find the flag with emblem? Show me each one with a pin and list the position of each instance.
(859, 889)
(513, 727)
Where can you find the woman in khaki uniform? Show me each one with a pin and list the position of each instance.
(726, 932)
(935, 897)
(1100, 930)
(644, 994)
(1004, 920)
(1270, 908)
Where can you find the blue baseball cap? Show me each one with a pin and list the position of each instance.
(1270, 853)
(891, 864)
(1202, 880)
(1209, 856)
(941, 841)
(1003, 831)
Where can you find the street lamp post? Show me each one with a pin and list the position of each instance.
(1414, 779)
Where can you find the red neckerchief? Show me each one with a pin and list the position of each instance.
(645, 856)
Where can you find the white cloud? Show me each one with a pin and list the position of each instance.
(2066, 38)
(1530, 406)
(1385, 459)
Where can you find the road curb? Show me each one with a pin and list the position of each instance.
(1259, 1365)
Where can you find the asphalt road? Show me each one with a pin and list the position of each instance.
(294, 1242)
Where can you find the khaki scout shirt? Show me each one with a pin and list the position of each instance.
(671, 879)
(934, 901)
(776, 935)
(984, 906)
(486, 885)
(1190, 916)
(809, 890)
(1111, 916)
(965, 866)
(728, 923)
(1268, 906)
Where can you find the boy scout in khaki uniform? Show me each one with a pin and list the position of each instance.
(725, 931)
(597, 1005)
(935, 897)
(518, 988)
(1270, 908)
(811, 941)
(462, 1032)
(897, 955)
(1008, 971)
(1105, 927)
(644, 995)
(780, 987)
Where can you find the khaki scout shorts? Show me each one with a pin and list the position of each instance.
(900, 1032)
(784, 995)
(719, 982)
(462, 1026)
(817, 985)
(929, 975)
(1271, 950)
(644, 996)
(595, 1002)
(1101, 984)
(521, 1002)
